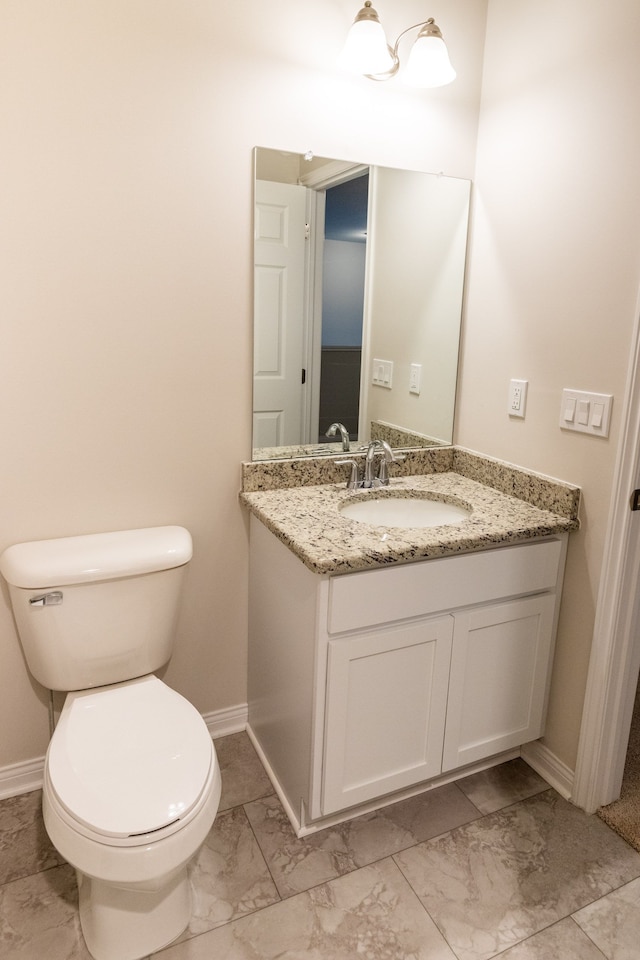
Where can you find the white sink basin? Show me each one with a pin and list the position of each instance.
(403, 512)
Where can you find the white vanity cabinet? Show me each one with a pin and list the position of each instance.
(385, 709)
(373, 682)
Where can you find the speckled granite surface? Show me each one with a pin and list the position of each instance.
(533, 488)
(291, 453)
(309, 471)
(307, 519)
(401, 439)
(378, 429)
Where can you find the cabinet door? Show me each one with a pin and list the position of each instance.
(499, 671)
(385, 710)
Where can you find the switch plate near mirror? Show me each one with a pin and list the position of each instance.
(382, 373)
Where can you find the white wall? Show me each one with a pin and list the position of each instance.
(555, 270)
(125, 386)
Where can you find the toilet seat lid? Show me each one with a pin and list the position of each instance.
(130, 758)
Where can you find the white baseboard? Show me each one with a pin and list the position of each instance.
(307, 829)
(557, 774)
(221, 723)
(18, 778)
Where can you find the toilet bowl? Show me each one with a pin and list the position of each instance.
(131, 790)
(131, 781)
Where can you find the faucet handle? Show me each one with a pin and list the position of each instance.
(383, 471)
(354, 479)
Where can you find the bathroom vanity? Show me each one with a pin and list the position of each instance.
(384, 661)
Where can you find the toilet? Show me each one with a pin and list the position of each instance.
(131, 779)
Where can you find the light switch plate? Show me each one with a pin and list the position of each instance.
(382, 375)
(586, 412)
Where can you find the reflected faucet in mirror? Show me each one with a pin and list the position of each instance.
(344, 436)
(354, 266)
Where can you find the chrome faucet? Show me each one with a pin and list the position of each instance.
(344, 436)
(370, 479)
(382, 480)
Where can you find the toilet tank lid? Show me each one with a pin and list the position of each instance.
(97, 556)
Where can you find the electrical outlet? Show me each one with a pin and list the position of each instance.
(517, 398)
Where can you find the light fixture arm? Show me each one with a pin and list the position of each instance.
(428, 28)
(388, 74)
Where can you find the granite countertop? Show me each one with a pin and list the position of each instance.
(308, 521)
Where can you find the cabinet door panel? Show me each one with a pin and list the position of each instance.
(385, 710)
(499, 669)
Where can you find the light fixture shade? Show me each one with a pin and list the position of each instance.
(366, 50)
(429, 64)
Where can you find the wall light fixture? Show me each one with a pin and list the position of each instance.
(367, 52)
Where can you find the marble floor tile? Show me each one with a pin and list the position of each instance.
(497, 881)
(229, 877)
(243, 776)
(39, 918)
(299, 864)
(613, 923)
(562, 941)
(372, 913)
(25, 847)
(493, 789)
(495, 874)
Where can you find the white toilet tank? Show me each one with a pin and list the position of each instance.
(97, 609)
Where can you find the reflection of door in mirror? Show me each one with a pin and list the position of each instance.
(279, 270)
(309, 277)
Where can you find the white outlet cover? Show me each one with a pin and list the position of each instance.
(517, 398)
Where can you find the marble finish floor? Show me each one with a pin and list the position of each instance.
(495, 865)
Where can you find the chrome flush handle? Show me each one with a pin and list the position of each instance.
(52, 599)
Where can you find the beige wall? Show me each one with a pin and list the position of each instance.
(127, 132)
(416, 272)
(554, 272)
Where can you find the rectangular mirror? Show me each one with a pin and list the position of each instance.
(358, 285)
